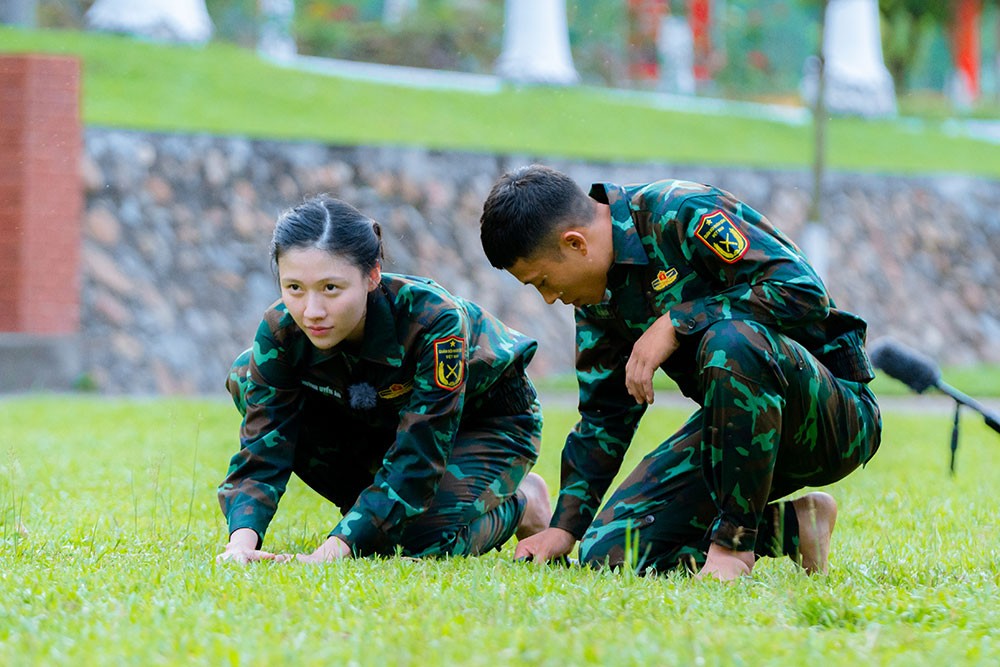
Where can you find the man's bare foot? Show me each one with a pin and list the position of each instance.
(816, 513)
(537, 510)
(725, 564)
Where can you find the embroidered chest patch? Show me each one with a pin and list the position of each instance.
(664, 279)
(717, 231)
(449, 363)
(395, 390)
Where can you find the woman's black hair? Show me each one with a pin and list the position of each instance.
(332, 225)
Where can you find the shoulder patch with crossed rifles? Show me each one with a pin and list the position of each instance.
(720, 234)
(449, 362)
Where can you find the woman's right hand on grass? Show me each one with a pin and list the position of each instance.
(242, 548)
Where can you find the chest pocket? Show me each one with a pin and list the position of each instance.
(635, 303)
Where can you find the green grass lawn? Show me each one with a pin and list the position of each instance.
(118, 497)
(226, 90)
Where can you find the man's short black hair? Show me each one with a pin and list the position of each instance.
(524, 208)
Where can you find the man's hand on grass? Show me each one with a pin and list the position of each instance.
(546, 545)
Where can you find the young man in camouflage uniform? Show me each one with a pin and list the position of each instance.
(684, 277)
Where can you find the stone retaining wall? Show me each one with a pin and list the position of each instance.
(176, 230)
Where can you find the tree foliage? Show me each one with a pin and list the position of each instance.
(906, 25)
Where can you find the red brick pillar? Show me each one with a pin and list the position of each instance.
(41, 194)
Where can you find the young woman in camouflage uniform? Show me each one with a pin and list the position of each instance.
(405, 406)
(684, 277)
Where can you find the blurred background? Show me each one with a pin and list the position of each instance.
(149, 146)
(741, 49)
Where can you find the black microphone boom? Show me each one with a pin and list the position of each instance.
(916, 371)
(919, 373)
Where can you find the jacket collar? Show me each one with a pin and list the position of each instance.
(381, 344)
(628, 247)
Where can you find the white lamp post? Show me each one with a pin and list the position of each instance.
(536, 43)
(168, 20)
(857, 80)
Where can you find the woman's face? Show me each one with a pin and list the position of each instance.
(326, 294)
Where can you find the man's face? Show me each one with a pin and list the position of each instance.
(569, 275)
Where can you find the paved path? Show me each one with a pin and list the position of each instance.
(987, 130)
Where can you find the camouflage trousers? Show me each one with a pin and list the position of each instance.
(476, 508)
(773, 420)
